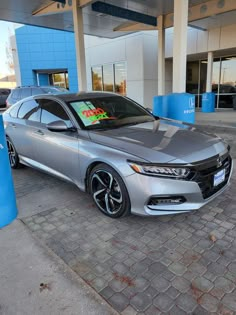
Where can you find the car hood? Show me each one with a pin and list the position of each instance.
(162, 141)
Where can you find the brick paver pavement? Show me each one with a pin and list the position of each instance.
(178, 264)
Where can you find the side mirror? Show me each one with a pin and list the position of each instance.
(58, 125)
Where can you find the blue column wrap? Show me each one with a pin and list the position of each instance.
(8, 209)
(208, 102)
(181, 106)
(160, 106)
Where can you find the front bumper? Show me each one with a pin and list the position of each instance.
(142, 188)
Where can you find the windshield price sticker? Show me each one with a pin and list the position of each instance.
(89, 114)
(219, 177)
(95, 115)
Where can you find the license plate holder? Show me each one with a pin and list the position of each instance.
(219, 177)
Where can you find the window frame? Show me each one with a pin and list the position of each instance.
(20, 106)
(41, 100)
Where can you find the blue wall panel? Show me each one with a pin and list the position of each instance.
(41, 48)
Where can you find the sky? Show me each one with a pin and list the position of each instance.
(6, 29)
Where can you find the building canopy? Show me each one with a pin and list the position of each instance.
(115, 18)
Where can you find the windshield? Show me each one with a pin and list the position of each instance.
(108, 112)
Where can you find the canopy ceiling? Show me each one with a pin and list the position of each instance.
(102, 24)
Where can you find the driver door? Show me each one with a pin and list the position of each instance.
(56, 152)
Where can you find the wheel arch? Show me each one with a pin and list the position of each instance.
(88, 170)
(95, 163)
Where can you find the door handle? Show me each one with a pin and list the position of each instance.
(39, 132)
(13, 125)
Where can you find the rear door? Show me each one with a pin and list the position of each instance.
(21, 128)
(57, 152)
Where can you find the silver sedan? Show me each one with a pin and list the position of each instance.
(111, 147)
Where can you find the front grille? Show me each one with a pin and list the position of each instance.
(205, 177)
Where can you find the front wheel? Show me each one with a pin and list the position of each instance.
(12, 154)
(109, 192)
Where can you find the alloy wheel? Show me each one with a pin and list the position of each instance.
(11, 153)
(106, 192)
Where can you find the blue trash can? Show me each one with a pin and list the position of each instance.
(181, 106)
(208, 102)
(8, 209)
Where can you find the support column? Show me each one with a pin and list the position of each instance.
(161, 57)
(180, 45)
(79, 45)
(209, 71)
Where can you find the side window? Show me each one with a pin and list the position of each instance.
(14, 110)
(28, 110)
(25, 92)
(53, 111)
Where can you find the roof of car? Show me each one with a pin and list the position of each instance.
(70, 97)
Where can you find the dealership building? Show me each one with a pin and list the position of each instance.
(132, 58)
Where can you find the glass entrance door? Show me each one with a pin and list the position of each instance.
(227, 86)
(223, 81)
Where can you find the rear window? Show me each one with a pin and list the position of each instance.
(26, 92)
(53, 89)
(37, 91)
(15, 94)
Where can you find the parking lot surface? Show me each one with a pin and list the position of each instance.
(178, 264)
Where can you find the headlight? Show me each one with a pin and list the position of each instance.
(162, 171)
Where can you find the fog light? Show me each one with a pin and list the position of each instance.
(166, 200)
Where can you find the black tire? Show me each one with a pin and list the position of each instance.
(109, 191)
(12, 154)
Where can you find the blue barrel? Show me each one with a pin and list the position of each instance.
(208, 102)
(8, 209)
(181, 106)
(160, 106)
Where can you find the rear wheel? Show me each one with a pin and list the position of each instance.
(13, 156)
(108, 191)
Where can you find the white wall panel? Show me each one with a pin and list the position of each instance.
(134, 57)
(202, 41)
(150, 57)
(135, 90)
(214, 39)
(169, 45)
(228, 37)
(150, 90)
(191, 41)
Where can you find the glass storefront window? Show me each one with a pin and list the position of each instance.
(120, 78)
(192, 77)
(108, 78)
(59, 79)
(227, 88)
(223, 80)
(97, 78)
(203, 76)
